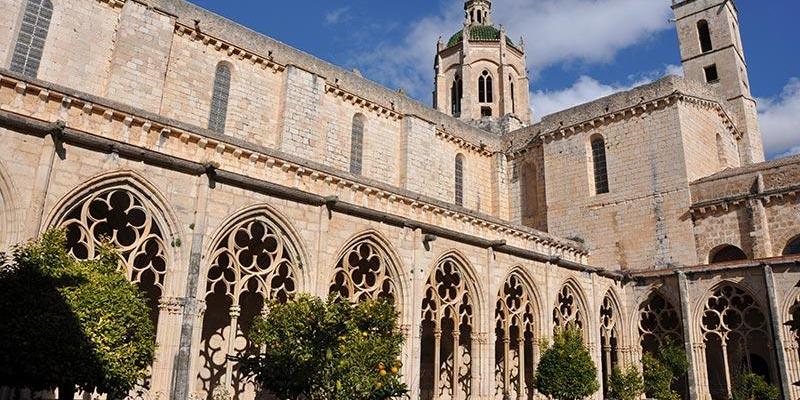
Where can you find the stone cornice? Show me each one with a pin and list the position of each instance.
(139, 128)
(266, 62)
(357, 100)
(628, 112)
(725, 203)
(480, 148)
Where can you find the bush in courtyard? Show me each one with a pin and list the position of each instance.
(625, 385)
(753, 387)
(566, 370)
(662, 370)
(71, 324)
(330, 350)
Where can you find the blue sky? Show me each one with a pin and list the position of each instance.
(578, 50)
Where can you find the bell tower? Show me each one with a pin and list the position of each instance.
(712, 53)
(481, 76)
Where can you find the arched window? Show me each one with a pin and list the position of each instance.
(568, 310)
(704, 33)
(793, 248)
(253, 261)
(485, 92)
(737, 339)
(459, 179)
(357, 144)
(600, 166)
(513, 98)
(219, 98)
(456, 93)
(517, 339)
(659, 324)
(31, 38)
(363, 272)
(609, 339)
(446, 337)
(726, 253)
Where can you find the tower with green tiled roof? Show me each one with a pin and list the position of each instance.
(480, 73)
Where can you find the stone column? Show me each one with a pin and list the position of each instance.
(688, 337)
(183, 374)
(777, 332)
(415, 288)
(762, 239)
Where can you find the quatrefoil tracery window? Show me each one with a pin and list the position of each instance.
(362, 273)
(254, 256)
(567, 310)
(516, 345)
(447, 312)
(736, 337)
(120, 216)
(659, 321)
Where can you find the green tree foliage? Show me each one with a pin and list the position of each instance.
(69, 323)
(625, 385)
(662, 370)
(566, 370)
(331, 350)
(753, 387)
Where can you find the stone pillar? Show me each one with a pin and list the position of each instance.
(762, 240)
(777, 332)
(41, 184)
(415, 287)
(688, 336)
(183, 373)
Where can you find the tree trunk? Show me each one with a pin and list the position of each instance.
(66, 392)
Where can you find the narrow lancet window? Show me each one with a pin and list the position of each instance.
(600, 165)
(459, 174)
(219, 98)
(456, 92)
(485, 88)
(31, 37)
(357, 144)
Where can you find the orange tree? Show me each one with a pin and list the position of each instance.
(331, 350)
(68, 323)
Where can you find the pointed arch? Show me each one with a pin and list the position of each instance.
(570, 307)
(254, 257)
(658, 321)
(611, 324)
(517, 333)
(133, 213)
(368, 267)
(792, 247)
(735, 331)
(450, 308)
(9, 225)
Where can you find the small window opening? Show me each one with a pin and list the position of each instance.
(486, 111)
(793, 248)
(485, 92)
(459, 180)
(711, 73)
(705, 36)
(357, 144)
(513, 100)
(727, 253)
(456, 93)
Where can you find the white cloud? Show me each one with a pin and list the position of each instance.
(555, 31)
(338, 15)
(780, 121)
(586, 89)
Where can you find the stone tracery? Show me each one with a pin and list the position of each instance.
(737, 339)
(363, 272)
(517, 343)
(253, 262)
(567, 310)
(447, 324)
(659, 322)
(609, 337)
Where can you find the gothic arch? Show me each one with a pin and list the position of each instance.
(570, 307)
(792, 246)
(151, 221)
(733, 326)
(611, 325)
(255, 257)
(473, 284)
(658, 317)
(450, 317)
(9, 226)
(518, 329)
(367, 246)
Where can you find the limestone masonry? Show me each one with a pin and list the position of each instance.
(232, 169)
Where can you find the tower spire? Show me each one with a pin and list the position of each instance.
(478, 12)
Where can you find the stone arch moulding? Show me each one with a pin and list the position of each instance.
(532, 287)
(473, 284)
(268, 212)
(570, 305)
(622, 317)
(698, 306)
(143, 190)
(9, 220)
(394, 266)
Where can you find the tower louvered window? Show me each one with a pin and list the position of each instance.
(600, 166)
(31, 38)
(456, 93)
(459, 174)
(704, 34)
(219, 99)
(357, 144)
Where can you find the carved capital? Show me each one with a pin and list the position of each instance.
(171, 305)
